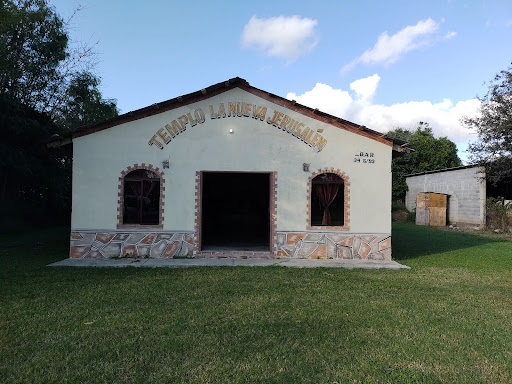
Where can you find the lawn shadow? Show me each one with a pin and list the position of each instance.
(411, 241)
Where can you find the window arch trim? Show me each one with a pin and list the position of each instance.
(346, 200)
(120, 194)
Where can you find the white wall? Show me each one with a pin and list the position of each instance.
(99, 159)
(466, 187)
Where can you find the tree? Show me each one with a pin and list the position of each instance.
(31, 176)
(33, 43)
(45, 89)
(430, 153)
(37, 63)
(493, 149)
(84, 104)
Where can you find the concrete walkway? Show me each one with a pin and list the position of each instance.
(176, 263)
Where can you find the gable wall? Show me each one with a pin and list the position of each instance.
(255, 145)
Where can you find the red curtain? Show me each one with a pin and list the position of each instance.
(136, 187)
(148, 187)
(326, 194)
(142, 189)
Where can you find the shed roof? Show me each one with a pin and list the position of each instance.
(443, 170)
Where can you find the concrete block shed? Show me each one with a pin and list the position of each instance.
(465, 187)
(231, 171)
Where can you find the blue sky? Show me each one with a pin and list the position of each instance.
(383, 64)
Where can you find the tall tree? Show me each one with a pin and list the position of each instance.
(30, 174)
(493, 149)
(37, 63)
(430, 153)
(33, 44)
(84, 103)
(45, 89)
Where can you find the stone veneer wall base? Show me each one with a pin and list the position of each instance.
(329, 245)
(126, 244)
(301, 245)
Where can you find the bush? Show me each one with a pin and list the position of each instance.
(17, 215)
(398, 211)
(498, 213)
(411, 216)
(398, 205)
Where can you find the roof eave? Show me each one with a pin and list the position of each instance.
(219, 88)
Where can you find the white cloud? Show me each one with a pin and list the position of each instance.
(389, 49)
(325, 98)
(444, 116)
(365, 88)
(285, 37)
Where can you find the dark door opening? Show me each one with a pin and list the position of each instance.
(235, 211)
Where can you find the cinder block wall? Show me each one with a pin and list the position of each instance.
(465, 185)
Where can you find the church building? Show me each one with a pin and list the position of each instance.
(231, 171)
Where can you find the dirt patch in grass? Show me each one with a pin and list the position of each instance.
(400, 215)
(475, 230)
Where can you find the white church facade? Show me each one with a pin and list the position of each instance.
(231, 171)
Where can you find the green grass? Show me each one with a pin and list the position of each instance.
(448, 319)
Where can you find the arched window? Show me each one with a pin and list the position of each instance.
(327, 200)
(141, 198)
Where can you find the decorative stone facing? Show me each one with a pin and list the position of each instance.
(346, 200)
(273, 213)
(197, 212)
(120, 196)
(324, 245)
(300, 245)
(135, 244)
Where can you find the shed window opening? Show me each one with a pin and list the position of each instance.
(141, 198)
(327, 200)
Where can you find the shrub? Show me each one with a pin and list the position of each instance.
(498, 213)
(411, 216)
(398, 205)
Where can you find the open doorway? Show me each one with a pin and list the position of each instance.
(235, 211)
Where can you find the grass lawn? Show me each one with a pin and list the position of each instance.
(448, 319)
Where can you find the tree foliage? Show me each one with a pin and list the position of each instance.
(38, 65)
(493, 149)
(33, 44)
(85, 104)
(46, 88)
(430, 153)
(30, 173)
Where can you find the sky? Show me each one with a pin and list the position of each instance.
(382, 64)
